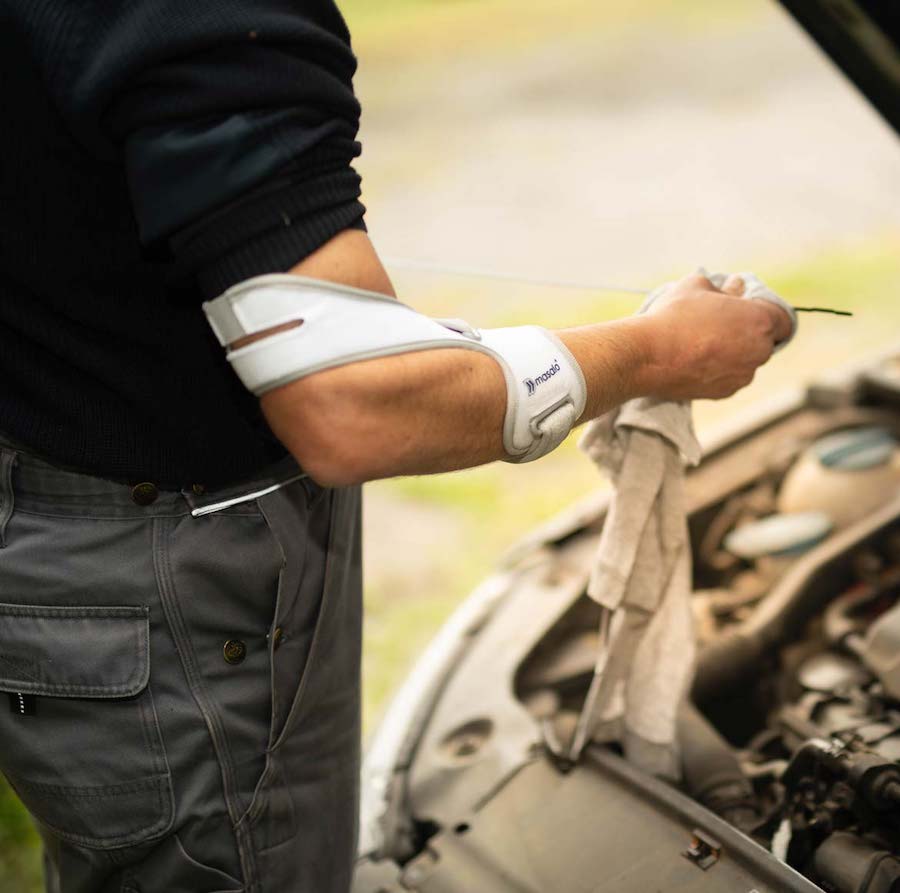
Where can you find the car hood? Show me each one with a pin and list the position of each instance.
(862, 37)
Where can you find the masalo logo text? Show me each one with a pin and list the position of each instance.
(534, 383)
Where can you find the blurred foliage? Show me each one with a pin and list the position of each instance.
(20, 863)
(424, 29)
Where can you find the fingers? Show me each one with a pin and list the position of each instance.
(783, 325)
(763, 353)
(779, 320)
(696, 281)
(664, 296)
(733, 285)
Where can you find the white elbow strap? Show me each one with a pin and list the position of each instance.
(330, 325)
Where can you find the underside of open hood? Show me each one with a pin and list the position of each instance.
(862, 37)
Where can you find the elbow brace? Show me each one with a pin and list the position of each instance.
(334, 325)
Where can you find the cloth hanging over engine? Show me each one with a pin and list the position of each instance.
(642, 576)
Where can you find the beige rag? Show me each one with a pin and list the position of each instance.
(642, 575)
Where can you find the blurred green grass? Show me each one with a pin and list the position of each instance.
(20, 861)
(428, 29)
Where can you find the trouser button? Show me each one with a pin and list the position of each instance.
(145, 493)
(234, 651)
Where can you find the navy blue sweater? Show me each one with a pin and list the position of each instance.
(154, 153)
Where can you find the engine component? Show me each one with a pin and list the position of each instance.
(874, 780)
(784, 534)
(704, 850)
(829, 672)
(883, 380)
(846, 475)
(881, 652)
(833, 786)
(807, 586)
(850, 864)
(712, 773)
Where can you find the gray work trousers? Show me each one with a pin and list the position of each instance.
(183, 691)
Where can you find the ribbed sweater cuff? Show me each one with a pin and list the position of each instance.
(277, 250)
(272, 229)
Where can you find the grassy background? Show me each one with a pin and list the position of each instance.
(430, 539)
(20, 868)
(428, 28)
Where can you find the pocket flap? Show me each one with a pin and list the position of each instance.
(84, 652)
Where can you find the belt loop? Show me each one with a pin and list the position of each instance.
(7, 500)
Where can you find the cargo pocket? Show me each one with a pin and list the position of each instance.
(79, 739)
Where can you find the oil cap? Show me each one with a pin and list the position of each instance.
(786, 534)
(856, 449)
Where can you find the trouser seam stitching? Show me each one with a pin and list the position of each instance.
(210, 715)
(300, 694)
(281, 613)
(7, 495)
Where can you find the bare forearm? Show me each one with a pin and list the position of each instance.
(430, 411)
(414, 413)
(615, 360)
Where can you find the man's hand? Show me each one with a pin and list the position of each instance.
(704, 342)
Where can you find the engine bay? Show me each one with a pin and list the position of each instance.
(789, 744)
(816, 718)
(800, 751)
(793, 736)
